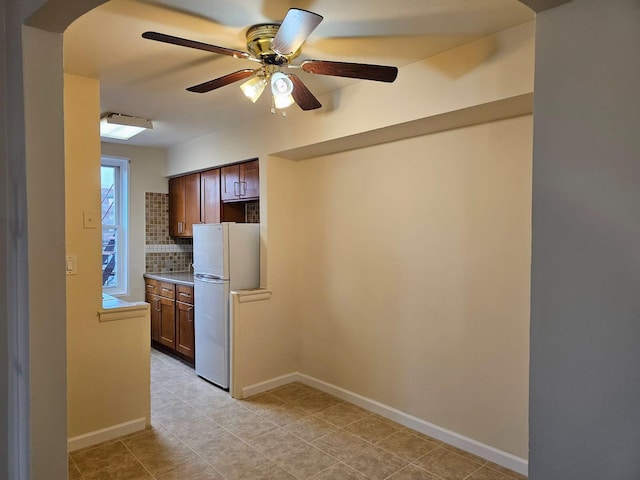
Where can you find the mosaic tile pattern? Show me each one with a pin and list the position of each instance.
(157, 219)
(293, 432)
(252, 212)
(162, 252)
(168, 262)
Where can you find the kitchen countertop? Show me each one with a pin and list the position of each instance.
(182, 278)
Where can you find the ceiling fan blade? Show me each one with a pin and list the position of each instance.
(222, 81)
(379, 73)
(183, 42)
(301, 94)
(294, 30)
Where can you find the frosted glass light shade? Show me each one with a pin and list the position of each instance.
(281, 88)
(253, 88)
(283, 101)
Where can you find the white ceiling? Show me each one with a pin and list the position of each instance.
(148, 79)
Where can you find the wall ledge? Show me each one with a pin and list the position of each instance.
(252, 295)
(488, 112)
(115, 309)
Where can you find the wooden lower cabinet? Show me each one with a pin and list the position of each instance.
(167, 322)
(185, 338)
(154, 301)
(172, 321)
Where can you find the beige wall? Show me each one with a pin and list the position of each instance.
(107, 363)
(146, 174)
(413, 277)
(38, 246)
(484, 72)
(430, 235)
(269, 344)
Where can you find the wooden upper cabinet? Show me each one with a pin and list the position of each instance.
(229, 183)
(184, 204)
(191, 202)
(250, 180)
(210, 196)
(201, 197)
(176, 206)
(240, 182)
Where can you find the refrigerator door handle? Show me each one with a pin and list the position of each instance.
(203, 277)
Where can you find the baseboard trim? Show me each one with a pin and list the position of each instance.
(269, 384)
(470, 445)
(105, 434)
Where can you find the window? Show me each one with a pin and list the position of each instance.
(114, 194)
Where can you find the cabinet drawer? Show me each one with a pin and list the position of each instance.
(152, 286)
(185, 294)
(167, 290)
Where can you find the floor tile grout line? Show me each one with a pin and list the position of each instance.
(139, 460)
(474, 472)
(292, 399)
(196, 453)
(437, 477)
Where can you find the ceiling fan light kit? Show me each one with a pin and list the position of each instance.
(123, 127)
(275, 46)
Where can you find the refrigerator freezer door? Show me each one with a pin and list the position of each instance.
(210, 249)
(212, 329)
(244, 255)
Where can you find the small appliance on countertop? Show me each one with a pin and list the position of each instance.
(226, 256)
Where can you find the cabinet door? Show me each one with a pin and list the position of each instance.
(249, 180)
(176, 206)
(230, 183)
(191, 203)
(154, 301)
(185, 337)
(210, 195)
(167, 322)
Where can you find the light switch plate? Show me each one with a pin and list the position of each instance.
(72, 265)
(89, 218)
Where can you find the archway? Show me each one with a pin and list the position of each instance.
(33, 235)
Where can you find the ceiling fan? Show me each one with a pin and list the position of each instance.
(275, 46)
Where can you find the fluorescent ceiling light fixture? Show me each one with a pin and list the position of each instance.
(253, 88)
(281, 88)
(123, 127)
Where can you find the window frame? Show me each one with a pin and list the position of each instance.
(121, 182)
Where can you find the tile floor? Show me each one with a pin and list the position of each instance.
(293, 432)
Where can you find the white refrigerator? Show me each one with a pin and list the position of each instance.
(226, 257)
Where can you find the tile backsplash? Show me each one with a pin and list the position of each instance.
(252, 212)
(162, 252)
(168, 254)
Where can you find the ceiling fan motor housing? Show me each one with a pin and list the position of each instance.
(259, 38)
